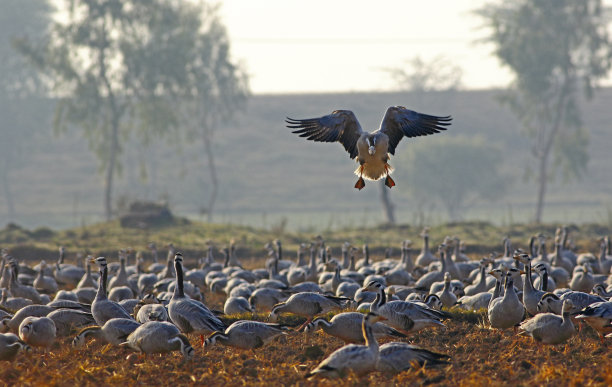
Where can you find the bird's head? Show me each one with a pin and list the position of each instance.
(371, 145)
(100, 261)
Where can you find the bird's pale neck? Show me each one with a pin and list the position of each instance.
(457, 250)
(368, 335)
(408, 264)
(345, 259)
(425, 244)
(483, 275)
(602, 251)
(509, 289)
(447, 283)
(507, 248)
(352, 264)
(300, 257)
(443, 260)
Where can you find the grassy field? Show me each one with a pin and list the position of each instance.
(190, 237)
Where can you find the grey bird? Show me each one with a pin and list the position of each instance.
(10, 345)
(37, 331)
(188, 315)
(360, 359)
(370, 150)
(347, 327)
(102, 308)
(115, 331)
(396, 357)
(247, 334)
(159, 337)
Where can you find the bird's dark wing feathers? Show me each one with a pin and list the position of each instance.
(340, 125)
(399, 122)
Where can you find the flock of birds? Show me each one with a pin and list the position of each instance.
(150, 310)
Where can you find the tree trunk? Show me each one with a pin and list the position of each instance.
(115, 117)
(110, 170)
(542, 183)
(543, 155)
(388, 207)
(213, 175)
(8, 195)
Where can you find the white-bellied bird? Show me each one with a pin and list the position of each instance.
(370, 150)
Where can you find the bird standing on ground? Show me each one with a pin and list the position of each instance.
(370, 150)
(188, 315)
(360, 359)
(550, 328)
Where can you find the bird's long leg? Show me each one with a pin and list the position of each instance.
(388, 181)
(201, 340)
(360, 183)
(308, 321)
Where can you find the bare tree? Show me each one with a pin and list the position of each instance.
(217, 91)
(558, 51)
(18, 19)
(421, 77)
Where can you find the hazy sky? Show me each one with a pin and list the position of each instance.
(344, 45)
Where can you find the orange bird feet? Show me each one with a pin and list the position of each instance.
(389, 182)
(360, 184)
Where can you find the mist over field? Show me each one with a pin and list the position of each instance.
(267, 173)
(163, 112)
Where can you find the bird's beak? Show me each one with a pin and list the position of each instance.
(371, 150)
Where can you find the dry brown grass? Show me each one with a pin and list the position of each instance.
(479, 356)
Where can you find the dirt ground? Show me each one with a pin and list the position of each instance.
(479, 356)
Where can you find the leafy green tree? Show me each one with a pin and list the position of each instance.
(456, 171)
(558, 50)
(126, 67)
(18, 84)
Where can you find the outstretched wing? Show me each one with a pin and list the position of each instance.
(340, 125)
(399, 122)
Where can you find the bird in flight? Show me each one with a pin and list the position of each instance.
(370, 150)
